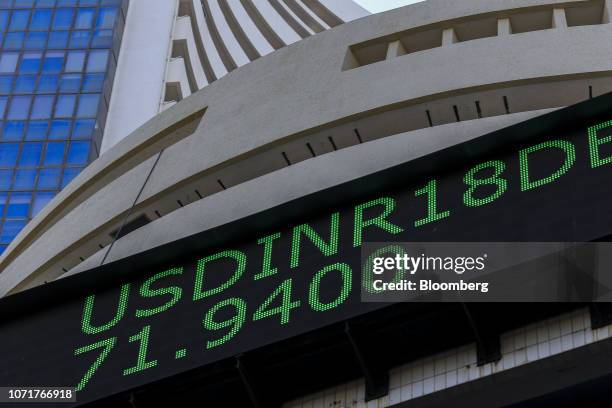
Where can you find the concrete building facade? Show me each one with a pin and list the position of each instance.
(174, 48)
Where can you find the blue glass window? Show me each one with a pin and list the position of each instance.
(84, 19)
(13, 131)
(49, 179)
(93, 83)
(42, 199)
(45, 3)
(80, 39)
(18, 205)
(3, 202)
(106, 18)
(8, 154)
(75, 61)
(54, 62)
(30, 62)
(48, 83)
(102, 39)
(88, 106)
(41, 20)
(42, 107)
(97, 61)
(20, 107)
(24, 179)
(70, 83)
(3, 100)
(25, 84)
(8, 62)
(19, 20)
(14, 41)
(83, 128)
(37, 130)
(55, 153)
(10, 229)
(24, 3)
(6, 177)
(4, 15)
(35, 40)
(65, 106)
(78, 154)
(51, 89)
(63, 19)
(58, 39)
(60, 129)
(69, 174)
(30, 154)
(6, 83)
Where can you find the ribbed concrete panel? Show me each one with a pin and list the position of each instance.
(250, 28)
(213, 38)
(228, 38)
(184, 37)
(292, 19)
(210, 51)
(235, 32)
(276, 22)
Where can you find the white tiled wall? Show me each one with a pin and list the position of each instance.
(457, 366)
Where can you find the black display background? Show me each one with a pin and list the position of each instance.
(41, 328)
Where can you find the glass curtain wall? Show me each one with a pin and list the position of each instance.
(57, 64)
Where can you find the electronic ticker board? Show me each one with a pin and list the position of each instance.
(547, 179)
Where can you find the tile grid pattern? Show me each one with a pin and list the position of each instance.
(458, 366)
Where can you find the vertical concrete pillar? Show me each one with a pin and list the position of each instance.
(559, 18)
(504, 27)
(395, 49)
(449, 36)
(607, 12)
